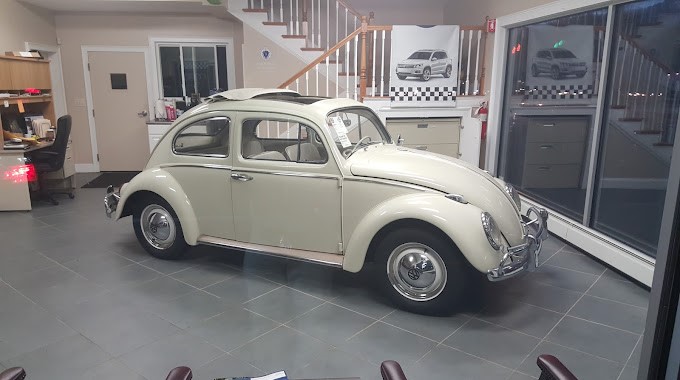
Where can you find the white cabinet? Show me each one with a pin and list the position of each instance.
(434, 135)
(156, 132)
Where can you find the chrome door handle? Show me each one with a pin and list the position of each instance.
(241, 177)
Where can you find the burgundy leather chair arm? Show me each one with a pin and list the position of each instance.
(391, 370)
(16, 373)
(179, 373)
(553, 369)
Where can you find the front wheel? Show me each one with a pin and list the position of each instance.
(534, 71)
(421, 272)
(427, 73)
(158, 229)
(555, 73)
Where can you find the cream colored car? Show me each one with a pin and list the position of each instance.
(321, 180)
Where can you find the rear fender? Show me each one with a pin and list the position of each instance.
(460, 222)
(161, 183)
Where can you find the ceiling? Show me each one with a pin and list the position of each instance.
(129, 6)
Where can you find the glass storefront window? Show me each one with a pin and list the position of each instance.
(548, 113)
(639, 123)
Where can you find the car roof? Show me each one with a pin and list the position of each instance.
(274, 100)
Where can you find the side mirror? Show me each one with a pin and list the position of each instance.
(433, 59)
(400, 140)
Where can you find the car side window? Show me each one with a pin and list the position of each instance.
(281, 140)
(207, 137)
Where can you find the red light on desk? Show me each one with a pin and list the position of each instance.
(21, 174)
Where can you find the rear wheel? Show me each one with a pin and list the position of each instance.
(421, 272)
(447, 73)
(402, 77)
(158, 229)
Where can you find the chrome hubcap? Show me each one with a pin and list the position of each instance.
(426, 75)
(416, 271)
(158, 226)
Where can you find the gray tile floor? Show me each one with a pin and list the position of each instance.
(79, 299)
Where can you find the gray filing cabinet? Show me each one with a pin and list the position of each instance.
(433, 135)
(554, 153)
(64, 178)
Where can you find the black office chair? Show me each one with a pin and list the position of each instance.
(51, 159)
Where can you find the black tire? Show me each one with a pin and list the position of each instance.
(447, 72)
(534, 71)
(441, 300)
(170, 250)
(555, 73)
(402, 77)
(427, 73)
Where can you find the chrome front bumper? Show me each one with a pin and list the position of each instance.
(518, 258)
(111, 201)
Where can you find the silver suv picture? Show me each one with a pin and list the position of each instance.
(424, 64)
(558, 63)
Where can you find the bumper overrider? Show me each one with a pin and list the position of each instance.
(518, 258)
(111, 201)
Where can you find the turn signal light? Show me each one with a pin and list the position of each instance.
(20, 174)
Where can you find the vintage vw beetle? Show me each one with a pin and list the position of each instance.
(321, 180)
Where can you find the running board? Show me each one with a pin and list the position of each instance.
(328, 259)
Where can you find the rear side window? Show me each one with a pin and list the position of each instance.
(207, 137)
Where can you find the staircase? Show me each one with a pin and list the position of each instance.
(341, 54)
(646, 91)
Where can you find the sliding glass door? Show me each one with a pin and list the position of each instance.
(599, 159)
(639, 124)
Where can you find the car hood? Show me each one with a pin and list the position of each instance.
(413, 61)
(442, 173)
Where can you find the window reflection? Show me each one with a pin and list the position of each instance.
(551, 94)
(640, 121)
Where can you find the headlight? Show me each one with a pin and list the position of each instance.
(514, 195)
(493, 233)
(419, 65)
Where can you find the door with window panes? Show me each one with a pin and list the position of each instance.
(285, 185)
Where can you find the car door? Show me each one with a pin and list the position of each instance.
(285, 184)
(544, 61)
(201, 164)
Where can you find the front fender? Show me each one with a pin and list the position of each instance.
(460, 222)
(160, 182)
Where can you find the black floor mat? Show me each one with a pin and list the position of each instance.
(109, 178)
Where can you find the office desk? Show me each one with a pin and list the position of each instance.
(14, 192)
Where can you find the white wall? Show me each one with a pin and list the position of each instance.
(21, 22)
(75, 30)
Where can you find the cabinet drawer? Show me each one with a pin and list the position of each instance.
(424, 131)
(158, 129)
(551, 176)
(557, 130)
(554, 153)
(445, 149)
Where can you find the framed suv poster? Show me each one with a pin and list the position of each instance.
(424, 65)
(560, 62)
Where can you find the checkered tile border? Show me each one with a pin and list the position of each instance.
(560, 92)
(426, 94)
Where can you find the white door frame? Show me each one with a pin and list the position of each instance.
(58, 91)
(86, 49)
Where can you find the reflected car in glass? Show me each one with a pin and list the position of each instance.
(559, 63)
(321, 180)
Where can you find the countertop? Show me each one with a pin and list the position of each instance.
(159, 122)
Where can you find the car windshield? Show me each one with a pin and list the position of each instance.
(563, 54)
(421, 55)
(352, 126)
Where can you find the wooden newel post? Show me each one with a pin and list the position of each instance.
(362, 85)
